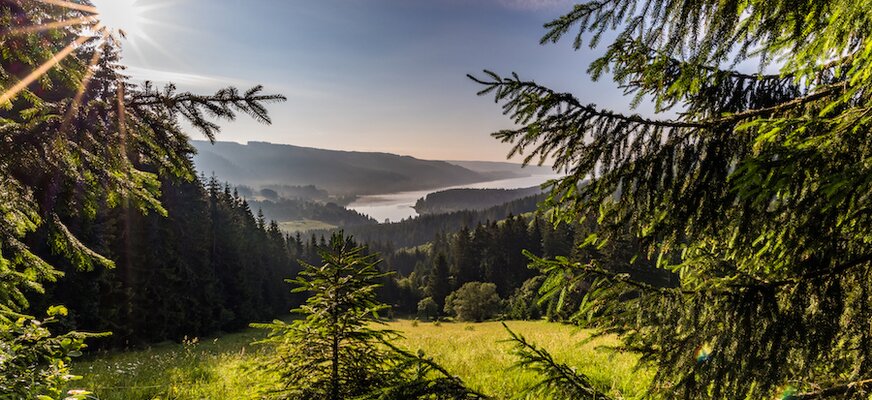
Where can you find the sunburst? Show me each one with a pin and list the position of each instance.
(103, 20)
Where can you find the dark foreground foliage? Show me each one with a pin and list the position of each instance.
(78, 138)
(756, 195)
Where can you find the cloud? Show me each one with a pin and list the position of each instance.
(183, 79)
(534, 4)
(199, 82)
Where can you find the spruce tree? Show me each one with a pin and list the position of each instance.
(751, 187)
(438, 282)
(337, 351)
(78, 137)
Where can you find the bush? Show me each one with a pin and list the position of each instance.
(428, 309)
(474, 301)
(524, 303)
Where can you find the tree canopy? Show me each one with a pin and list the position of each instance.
(78, 136)
(756, 193)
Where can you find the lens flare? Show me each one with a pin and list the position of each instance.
(703, 353)
(786, 392)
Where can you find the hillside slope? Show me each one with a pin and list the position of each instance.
(339, 172)
(452, 200)
(507, 169)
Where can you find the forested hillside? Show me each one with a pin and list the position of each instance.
(447, 201)
(210, 265)
(283, 210)
(258, 164)
(422, 229)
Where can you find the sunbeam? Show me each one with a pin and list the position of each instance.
(80, 93)
(51, 25)
(105, 19)
(43, 69)
(71, 5)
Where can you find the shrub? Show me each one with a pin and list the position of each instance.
(474, 301)
(524, 303)
(428, 309)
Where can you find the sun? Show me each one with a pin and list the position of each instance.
(125, 16)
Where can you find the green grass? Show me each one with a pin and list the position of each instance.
(304, 225)
(479, 355)
(225, 368)
(218, 368)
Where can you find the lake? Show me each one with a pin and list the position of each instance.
(398, 206)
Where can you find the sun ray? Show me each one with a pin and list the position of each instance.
(51, 25)
(122, 119)
(43, 69)
(71, 5)
(80, 94)
(157, 46)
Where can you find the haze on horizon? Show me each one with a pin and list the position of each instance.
(364, 75)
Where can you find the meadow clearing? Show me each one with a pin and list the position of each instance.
(226, 367)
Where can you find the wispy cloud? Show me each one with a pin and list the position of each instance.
(181, 78)
(534, 4)
(189, 81)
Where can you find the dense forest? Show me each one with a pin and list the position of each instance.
(422, 229)
(213, 264)
(447, 201)
(209, 265)
(293, 209)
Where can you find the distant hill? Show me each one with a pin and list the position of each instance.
(451, 200)
(422, 229)
(509, 170)
(288, 211)
(260, 164)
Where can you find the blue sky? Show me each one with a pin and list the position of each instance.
(369, 75)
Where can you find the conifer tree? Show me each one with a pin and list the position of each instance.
(337, 352)
(756, 194)
(438, 282)
(78, 137)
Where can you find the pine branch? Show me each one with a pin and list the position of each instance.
(526, 99)
(515, 91)
(836, 391)
(198, 108)
(558, 381)
(445, 383)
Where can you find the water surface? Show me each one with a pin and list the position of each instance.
(398, 206)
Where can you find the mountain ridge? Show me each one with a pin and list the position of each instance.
(340, 172)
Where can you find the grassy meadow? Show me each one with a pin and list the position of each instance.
(304, 225)
(225, 368)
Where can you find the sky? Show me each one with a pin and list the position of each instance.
(366, 75)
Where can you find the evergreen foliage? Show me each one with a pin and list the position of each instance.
(36, 363)
(78, 137)
(756, 195)
(208, 266)
(336, 352)
(559, 381)
(82, 138)
(524, 305)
